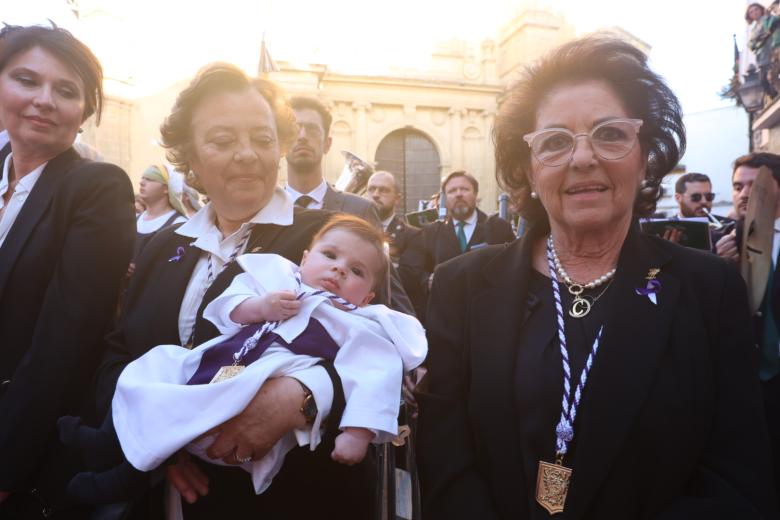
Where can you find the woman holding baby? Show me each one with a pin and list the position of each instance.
(229, 131)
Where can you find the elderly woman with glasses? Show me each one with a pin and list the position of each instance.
(588, 369)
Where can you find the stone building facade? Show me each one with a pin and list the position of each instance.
(419, 124)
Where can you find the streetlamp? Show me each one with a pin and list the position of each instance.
(751, 95)
(751, 92)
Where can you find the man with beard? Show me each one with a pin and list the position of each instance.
(305, 178)
(693, 193)
(383, 190)
(308, 188)
(466, 228)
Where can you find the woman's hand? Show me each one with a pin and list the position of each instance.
(274, 411)
(187, 478)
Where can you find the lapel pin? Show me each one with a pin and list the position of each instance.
(178, 256)
(653, 286)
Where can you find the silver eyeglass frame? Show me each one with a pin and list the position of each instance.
(636, 123)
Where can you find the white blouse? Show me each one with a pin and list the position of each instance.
(19, 197)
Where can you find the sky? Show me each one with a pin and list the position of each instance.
(150, 44)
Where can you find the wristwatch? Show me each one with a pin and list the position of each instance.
(309, 405)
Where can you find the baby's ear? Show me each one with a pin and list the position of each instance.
(367, 299)
(303, 258)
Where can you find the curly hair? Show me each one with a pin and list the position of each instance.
(176, 130)
(623, 67)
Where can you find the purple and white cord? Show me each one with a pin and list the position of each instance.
(251, 342)
(565, 429)
(239, 247)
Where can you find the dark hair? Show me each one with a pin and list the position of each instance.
(304, 102)
(621, 66)
(679, 186)
(464, 174)
(366, 231)
(757, 160)
(67, 49)
(749, 7)
(176, 130)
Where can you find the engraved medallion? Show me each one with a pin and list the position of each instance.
(552, 485)
(579, 307)
(226, 373)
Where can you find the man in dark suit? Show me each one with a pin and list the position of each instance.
(308, 188)
(465, 229)
(305, 177)
(383, 190)
(767, 320)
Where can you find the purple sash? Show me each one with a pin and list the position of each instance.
(313, 341)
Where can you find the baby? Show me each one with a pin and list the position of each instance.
(277, 319)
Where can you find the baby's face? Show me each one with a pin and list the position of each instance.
(344, 264)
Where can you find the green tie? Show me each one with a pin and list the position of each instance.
(462, 236)
(769, 366)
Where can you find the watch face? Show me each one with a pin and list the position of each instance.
(309, 408)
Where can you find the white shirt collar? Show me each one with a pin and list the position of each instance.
(386, 222)
(469, 221)
(25, 184)
(4, 138)
(318, 193)
(203, 228)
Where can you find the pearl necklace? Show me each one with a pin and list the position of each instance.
(582, 304)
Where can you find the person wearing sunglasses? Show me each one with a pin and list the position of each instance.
(587, 368)
(693, 193)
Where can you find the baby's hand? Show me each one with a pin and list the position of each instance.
(351, 445)
(279, 305)
(273, 306)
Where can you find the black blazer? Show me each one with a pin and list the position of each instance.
(673, 425)
(349, 203)
(61, 266)
(436, 243)
(399, 233)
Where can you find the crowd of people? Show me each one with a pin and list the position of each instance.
(166, 359)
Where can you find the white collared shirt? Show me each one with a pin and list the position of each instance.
(145, 225)
(386, 222)
(4, 139)
(317, 195)
(776, 241)
(208, 239)
(469, 227)
(19, 197)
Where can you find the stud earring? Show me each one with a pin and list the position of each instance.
(534, 195)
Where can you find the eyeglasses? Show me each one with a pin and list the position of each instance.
(696, 197)
(610, 140)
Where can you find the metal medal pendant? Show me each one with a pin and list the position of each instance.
(552, 485)
(226, 373)
(580, 307)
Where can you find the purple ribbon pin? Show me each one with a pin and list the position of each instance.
(178, 256)
(652, 288)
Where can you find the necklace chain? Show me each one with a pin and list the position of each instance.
(581, 305)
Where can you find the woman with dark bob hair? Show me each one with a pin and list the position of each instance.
(589, 370)
(66, 235)
(228, 132)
